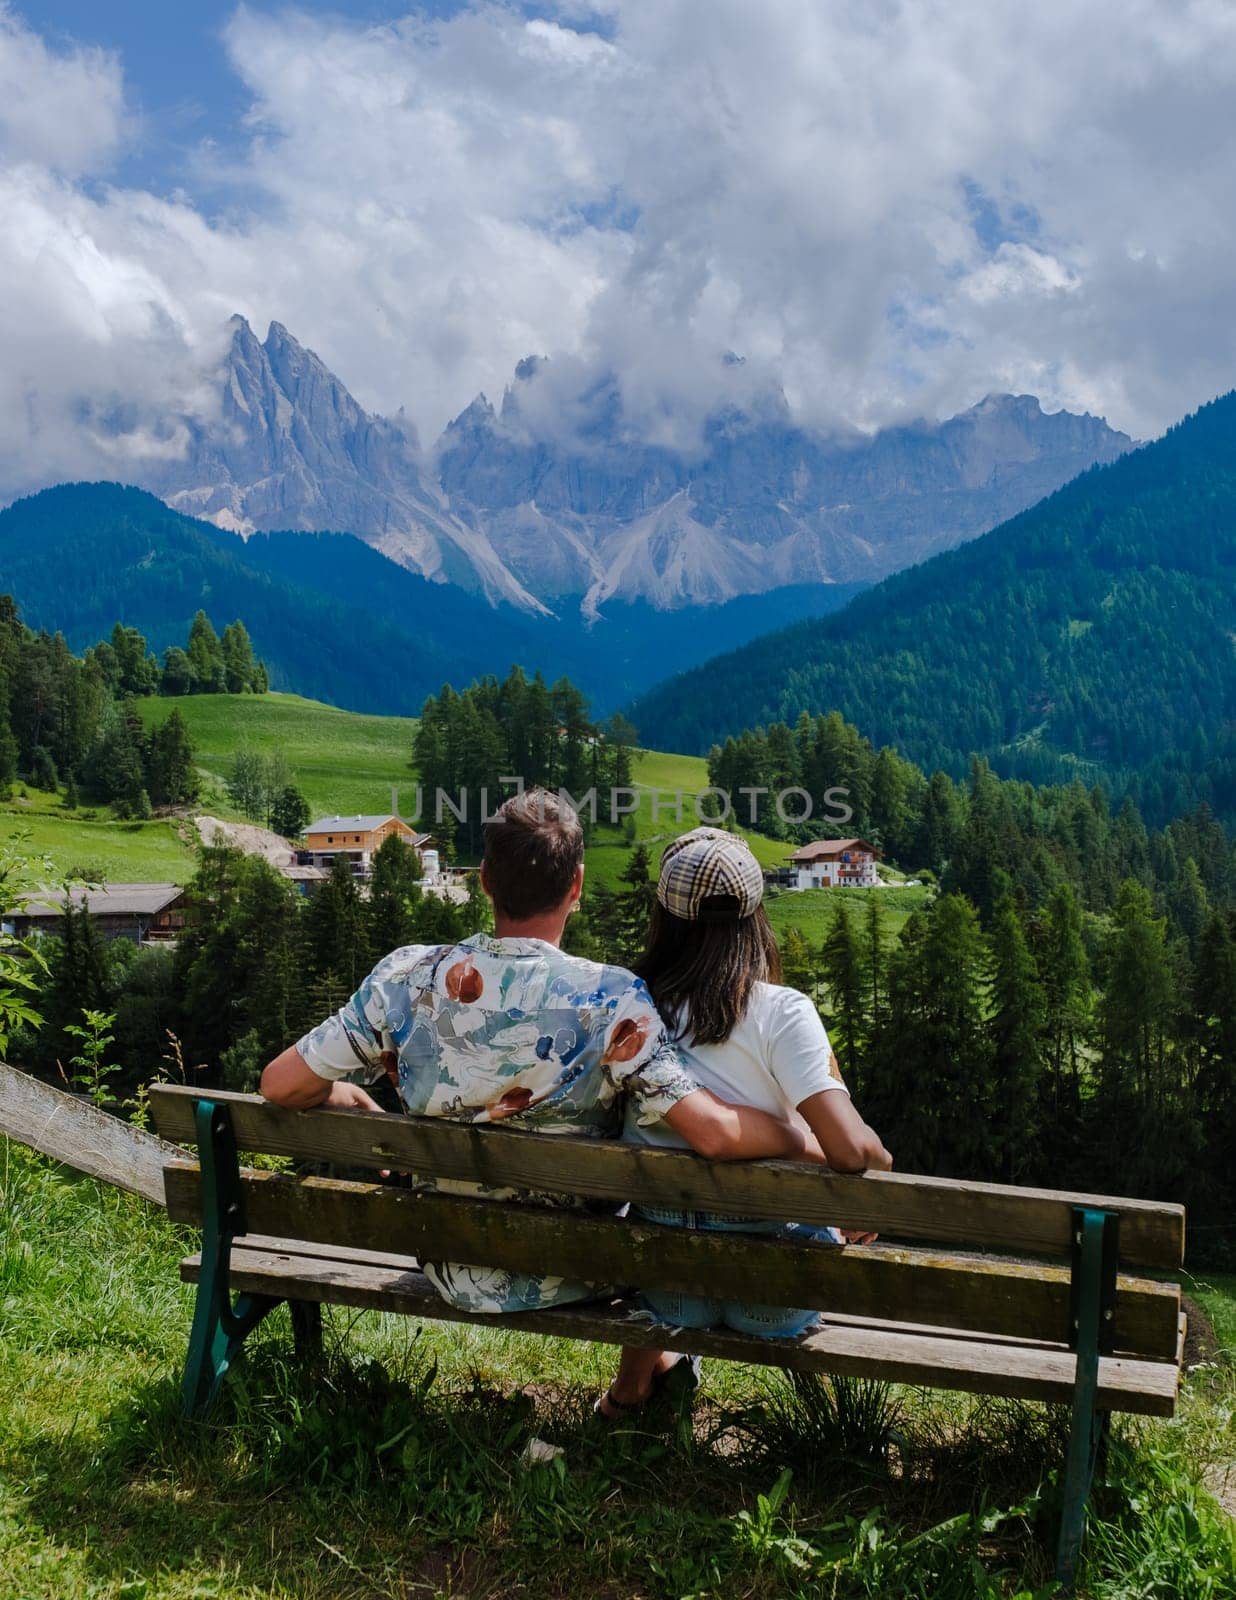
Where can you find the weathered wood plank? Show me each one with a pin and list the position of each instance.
(1025, 1299)
(1003, 1368)
(947, 1211)
(337, 1255)
(81, 1136)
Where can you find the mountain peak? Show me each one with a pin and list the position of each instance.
(244, 341)
(998, 404)
(530, 507)
(278, 338)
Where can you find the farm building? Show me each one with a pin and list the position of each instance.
(834, 863)
(136, 911)
(357, 838)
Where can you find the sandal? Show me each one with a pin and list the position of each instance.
(683, 1374)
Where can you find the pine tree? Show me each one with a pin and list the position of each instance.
(570, 708)
(208, 967)
(636, 903)
(77, 980)
(170, 769)
(239, 666)
(43, 774)
(847, 996)
(476, 913)
(929, 1086)
(1188, 903)
(321, 998)
(1015, 1029)
(1067, 994)
(137, 671)
(114, 770)
(603, 909)
(798, 967)
(620, 738)
(1213, 1019)
(266, 929)
(939, 825)
(1138, 995)
(394, 897)
(890, 810)
(1150, 1136)
(8, 744)
(437, 921)
(875, 962)
(247, 784)
(206, 657)
(335, 926)
(177, 677)
(289, 812)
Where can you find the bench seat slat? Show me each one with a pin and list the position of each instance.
(1022, 1299)
(903, 1355)
(396, 1264)
(899, 1205)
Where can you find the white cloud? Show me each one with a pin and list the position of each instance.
(887, 207)
(63, 111)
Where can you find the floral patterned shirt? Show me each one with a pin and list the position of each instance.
(491, 1029)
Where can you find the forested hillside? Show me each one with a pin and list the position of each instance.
(334, 619)
(79, 557)
(1092, 634)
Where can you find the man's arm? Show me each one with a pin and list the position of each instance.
(723, 1132)
(289, 1080)
(849, 1145)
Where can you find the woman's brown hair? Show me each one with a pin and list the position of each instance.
(701, 973)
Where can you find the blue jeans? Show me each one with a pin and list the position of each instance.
(703, 1311)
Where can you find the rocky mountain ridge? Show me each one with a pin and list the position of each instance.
(568, 526)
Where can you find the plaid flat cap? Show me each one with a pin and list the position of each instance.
(704, 863)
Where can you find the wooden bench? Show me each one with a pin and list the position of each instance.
(1021, 1292)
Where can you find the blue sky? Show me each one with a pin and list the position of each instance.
(887, 210)
(179, 80)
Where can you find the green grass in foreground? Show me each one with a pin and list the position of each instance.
(394, 1472)
(1215, 1292)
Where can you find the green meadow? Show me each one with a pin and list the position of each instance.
(91, 843)
(344, 762)
(348, 763)
(394, 1471)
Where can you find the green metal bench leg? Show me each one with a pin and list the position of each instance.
(1094, 1285)
(219, 1326)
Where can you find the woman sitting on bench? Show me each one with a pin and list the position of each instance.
(714, 970)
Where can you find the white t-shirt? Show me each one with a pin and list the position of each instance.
(777, 1056)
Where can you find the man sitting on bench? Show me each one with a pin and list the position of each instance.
(511, 1026)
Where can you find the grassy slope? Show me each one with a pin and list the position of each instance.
(349, 763)
(344, 762)
(395, 1470)
(90, 842)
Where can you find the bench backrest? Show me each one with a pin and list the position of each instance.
(1006, 1294)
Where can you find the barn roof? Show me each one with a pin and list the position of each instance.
(114, 900)
(830, 849)
(357, 824)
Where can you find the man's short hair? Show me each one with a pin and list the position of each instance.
(533, 847)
